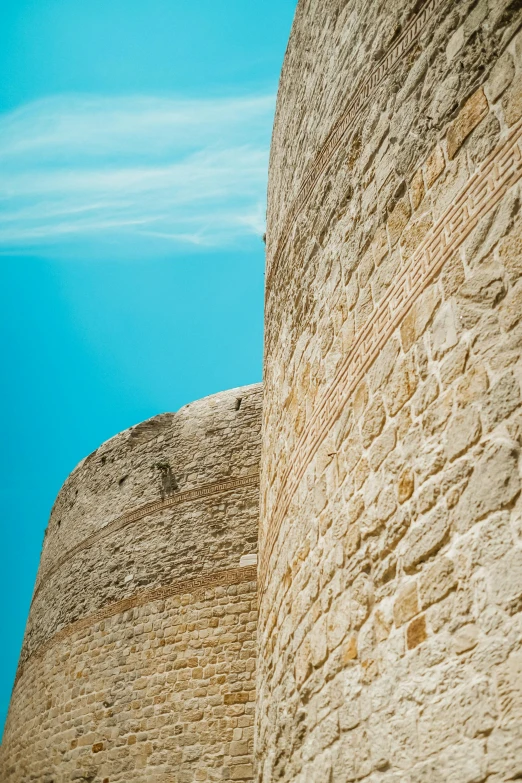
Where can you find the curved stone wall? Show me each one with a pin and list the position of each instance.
(139, 654)
(391, 544)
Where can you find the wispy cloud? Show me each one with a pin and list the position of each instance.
(134, 174)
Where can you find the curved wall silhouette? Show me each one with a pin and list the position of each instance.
(139, 653)
(391, 546)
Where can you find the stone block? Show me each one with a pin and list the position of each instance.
(318, 642)
(510, 311)
(406, 604)
(464, 763)
(473, 111)
(398, 220)
(501, 400)
(510, 252)
(493, 485)
(436, 581)
(454, 365)
(416, 189)
(434, 166)
(504, 752)
(242, 772)
(405, 485)
(445, 330)
(419, 317)
(373, 422)
(414, 233)
(382, 446)
(505, 579)
(463, 432)
(416, 632)
(485, 287)
(402, 384)
(425, 538)
(500, 77)
(465, 638)
(512, 103)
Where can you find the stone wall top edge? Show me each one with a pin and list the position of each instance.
(215, 438)
(195, 407)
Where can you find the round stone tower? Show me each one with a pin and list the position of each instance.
(390, 571)
(139, 654)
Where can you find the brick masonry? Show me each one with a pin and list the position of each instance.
(390, 630)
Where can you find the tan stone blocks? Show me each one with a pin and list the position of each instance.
(373, 421)
(425, 538)
(512, 103)
(405, 485)
(417, 320)
(406, 604)
(398, 220)
(416, 632)
(416, 189)
(473, 111)
(434, 166)
(414, 233)
(133, 728)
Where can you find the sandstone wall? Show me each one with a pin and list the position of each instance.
(391, 537)
(139, 655)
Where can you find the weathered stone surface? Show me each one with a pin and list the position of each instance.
(416, 632)
(436, 581)
(426, 250)
(425, 539)
(390, 609)
(494, 484)
(139, 656)
(473, 111)
(406, 604)
(463, 431)
(434, 166)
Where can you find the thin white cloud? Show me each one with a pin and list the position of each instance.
(134, 172)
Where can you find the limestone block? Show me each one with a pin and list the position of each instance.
(416, 632)
(445, 330)
(511, 308)
(416, 322)
(398, 220)
(512, 103)
(417, 189)
(465, 638)
(405, 486)
(402, 384)
(502, 399)
(494, 484)
(473, 111)
(425, 539)
(406, 604)
(463, 431)
(434, 166)
(436, 581)
(373, 421)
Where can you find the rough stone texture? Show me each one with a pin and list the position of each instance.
(139, 655)
(391, 542)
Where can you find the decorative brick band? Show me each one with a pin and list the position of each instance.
(194, 586)
(501, 169)
(143, 511)
(340, 129)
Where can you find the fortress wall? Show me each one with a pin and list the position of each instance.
(390, 571)
(139, 654)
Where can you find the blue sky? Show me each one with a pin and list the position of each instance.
(134, 142)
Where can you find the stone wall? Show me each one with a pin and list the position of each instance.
(139, 655)
(391, 538)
